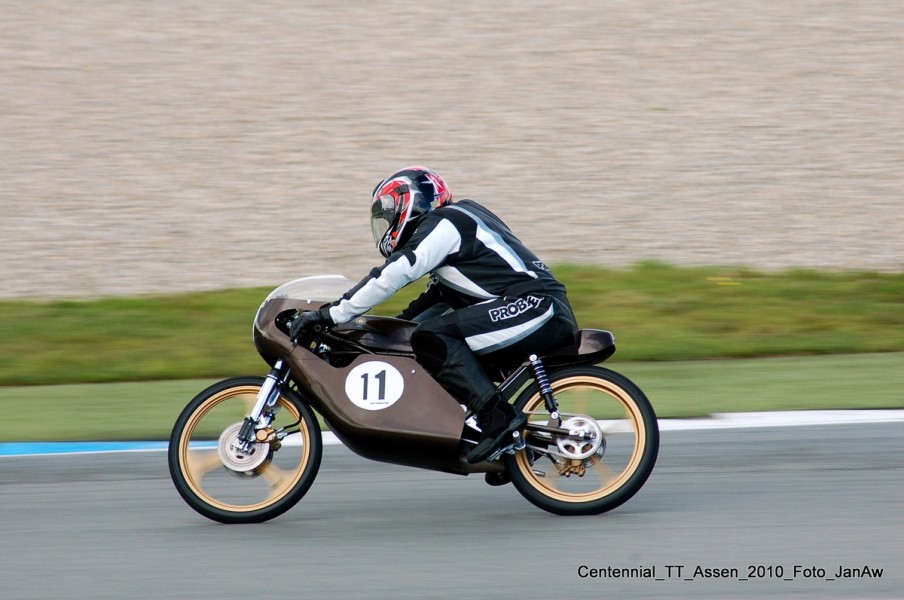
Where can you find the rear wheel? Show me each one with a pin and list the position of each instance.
(609, 454)
(224, 483)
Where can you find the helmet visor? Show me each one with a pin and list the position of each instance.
(381, 217)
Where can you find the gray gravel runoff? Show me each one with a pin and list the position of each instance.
(149, 147)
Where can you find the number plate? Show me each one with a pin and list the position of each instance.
(374, 385)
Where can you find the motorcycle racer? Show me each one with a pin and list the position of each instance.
(488, 295)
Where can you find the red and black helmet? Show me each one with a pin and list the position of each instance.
(400, 200)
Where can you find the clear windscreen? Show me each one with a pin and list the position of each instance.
(319, 288)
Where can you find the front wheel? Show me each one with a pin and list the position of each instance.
(608, 455)
(224, 483)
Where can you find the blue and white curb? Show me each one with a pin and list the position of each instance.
(789, 418)
(45, 448)
(716, 421)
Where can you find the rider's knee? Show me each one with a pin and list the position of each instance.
(429, 348)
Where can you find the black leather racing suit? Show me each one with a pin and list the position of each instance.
(505, 302)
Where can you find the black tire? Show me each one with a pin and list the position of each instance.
(617, 469)
(276, 475)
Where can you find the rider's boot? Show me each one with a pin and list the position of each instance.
(498, 421)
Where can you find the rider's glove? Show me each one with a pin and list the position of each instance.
(309, 320)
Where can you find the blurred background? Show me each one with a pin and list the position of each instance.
(169, 146)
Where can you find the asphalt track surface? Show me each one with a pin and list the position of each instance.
(111, 526)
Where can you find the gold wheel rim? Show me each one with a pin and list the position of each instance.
(195, 463)
(610, 480)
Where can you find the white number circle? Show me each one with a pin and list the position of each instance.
(374, 385)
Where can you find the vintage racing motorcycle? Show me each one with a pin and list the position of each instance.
(247, 449)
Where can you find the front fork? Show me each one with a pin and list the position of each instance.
(260, 417)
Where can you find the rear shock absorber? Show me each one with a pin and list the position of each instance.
(545, 389)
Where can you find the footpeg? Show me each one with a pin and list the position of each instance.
(517, 444)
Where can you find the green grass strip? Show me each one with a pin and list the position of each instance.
(657, 313)
(147, 410)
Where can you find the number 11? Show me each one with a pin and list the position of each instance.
(381, 377)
